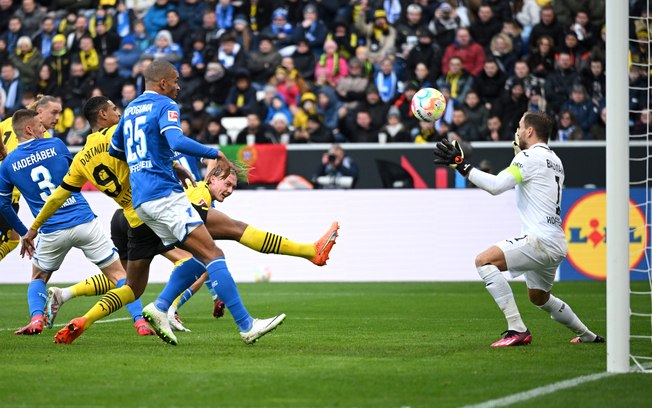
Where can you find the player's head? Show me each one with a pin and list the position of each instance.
(27, 124)
(48, 108)
(222, 179)
(101, 112)
(162, 78)
(534, 127)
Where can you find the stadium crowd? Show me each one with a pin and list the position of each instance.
(326, 71)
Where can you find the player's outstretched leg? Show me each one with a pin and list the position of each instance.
(516, 334)
(561, 312)
(36, 295)
(325, 244)
(95, 285)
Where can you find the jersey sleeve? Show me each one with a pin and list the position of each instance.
(523, 167)
(117, 147)
(53, 203)
(6, 210)
(169, 117)
(75, 179)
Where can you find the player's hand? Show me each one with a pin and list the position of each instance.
(27, 243)
(515, 144)
(451, 154)
(184, 175)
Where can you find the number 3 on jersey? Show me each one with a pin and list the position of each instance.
(43, 178)
(136, 143)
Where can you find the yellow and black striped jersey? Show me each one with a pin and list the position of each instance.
(110, 175)
(10, 140)
(199, 195)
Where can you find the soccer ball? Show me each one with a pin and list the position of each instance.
(428, 105)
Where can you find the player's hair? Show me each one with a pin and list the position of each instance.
(93, 106)
(20, 117)
(158, 70)
(540, 122)
(41, 101)
(224, 168)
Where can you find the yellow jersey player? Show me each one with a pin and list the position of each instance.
(48, 109)
(134, 240)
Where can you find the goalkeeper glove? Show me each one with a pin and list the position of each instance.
(515, 144)
(451, 154)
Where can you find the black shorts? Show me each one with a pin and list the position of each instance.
(5, 228)
(140, 242)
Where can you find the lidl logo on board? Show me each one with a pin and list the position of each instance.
(585, 226)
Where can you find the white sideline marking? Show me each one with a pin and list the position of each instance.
(117, 319)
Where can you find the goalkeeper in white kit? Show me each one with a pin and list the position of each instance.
(538, 175)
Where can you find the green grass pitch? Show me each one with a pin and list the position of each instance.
(342, 345)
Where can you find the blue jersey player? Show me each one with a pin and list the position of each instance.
(147, 137)
(36, 167)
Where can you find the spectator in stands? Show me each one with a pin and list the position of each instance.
(7, 10)
(46, 82)
(13, 88)
(127, 56)
(457, 78)
(379, 35)
(599, 48)
(214, 133)
(328, 106)
(409, 30)
(522, 74)
(386, 81)
(124, 19)
(502, 51)
(156, 17)
(567, 128)
(127, 94)
(294, 75)
(312, 29)
(336, 170)
(528, 16)
(142, 39)
(191, 86)
(59, 61)
(109, 79)
(394, 130)
(490, 83)
(278, 105)
(486, 26)
(351, 89)
(280, 30)
(14, 32)
(547, 25)
(230, 53)
(78, 88)
(511, 106)
(567, 9)
(209, 29)
(346, 37)
(363, 129)
(88, 55)
(4, 54)
(307, 106)
(594, 80)
(462, 127)
(241, 100)
(429, 53)
(178, 29)
(281, 126)
(215, 88)
(198, 117)
(256, 130)
(80, 130)
(586, 32)
(502, 9)
(80, 30)
(243, 34)
(31, 15)
(444, 25)
(165, 49)
(476, 113)
(599, 128)
(43, 38)
(332, 64)
(27, 60)
(579, 57)
(375, 106)
(304, 59)
(495, 131)
(423, 77)
(559, 82)
(262, 63)
(542, 60)
(513, 31)
(106, 42)
(224, 12)
(191, 12)
(427, 133)
(314, 132)
(470, 53)
(582, 108)
(403, 105)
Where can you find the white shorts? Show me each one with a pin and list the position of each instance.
(172, 218)
(538, 261)
(90, 237)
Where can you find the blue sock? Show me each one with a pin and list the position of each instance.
(37, 295)
(186, 297)
(223, 283)
(209, 285)
(182, 277)
(135, 308)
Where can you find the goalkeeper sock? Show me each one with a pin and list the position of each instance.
(227, 290)
(135, 307)
(95, 285)
(36, 297)
(500, 290)
(110, 302)
(561, 312)
(266, 242)
(7, 247)
(184, 274)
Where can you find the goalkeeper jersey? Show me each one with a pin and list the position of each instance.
(10, 141)
(540, 176)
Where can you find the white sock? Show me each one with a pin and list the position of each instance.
(561, 312)
(66, 295)
(498, 287)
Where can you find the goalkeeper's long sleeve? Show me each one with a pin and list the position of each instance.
(493, 184)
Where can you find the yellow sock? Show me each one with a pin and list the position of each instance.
(110, 302)
(93, 286)
(7, 247)
(266, 242)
